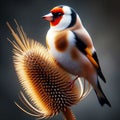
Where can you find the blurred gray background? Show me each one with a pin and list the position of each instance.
(102, 20)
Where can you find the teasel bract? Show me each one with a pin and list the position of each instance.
(46, 89)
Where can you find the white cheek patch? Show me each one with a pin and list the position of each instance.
(64, 23)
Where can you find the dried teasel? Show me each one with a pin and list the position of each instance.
(46, 88)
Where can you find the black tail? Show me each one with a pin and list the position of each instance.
(101, 96)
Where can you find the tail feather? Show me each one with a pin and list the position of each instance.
(101, 96)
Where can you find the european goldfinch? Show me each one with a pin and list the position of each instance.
(72, 48)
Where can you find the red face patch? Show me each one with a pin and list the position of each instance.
(56, 14)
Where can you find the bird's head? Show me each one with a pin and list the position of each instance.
(61, 17)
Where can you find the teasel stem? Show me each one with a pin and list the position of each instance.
(68, 114)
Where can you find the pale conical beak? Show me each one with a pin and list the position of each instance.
(48, 17)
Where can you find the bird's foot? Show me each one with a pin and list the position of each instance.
(71, 83)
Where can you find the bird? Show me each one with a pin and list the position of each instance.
(72, 48)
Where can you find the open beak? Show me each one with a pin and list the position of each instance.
(48, 17)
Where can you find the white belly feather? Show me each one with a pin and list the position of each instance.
(64, 58)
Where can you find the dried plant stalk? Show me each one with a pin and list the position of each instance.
(45, 84)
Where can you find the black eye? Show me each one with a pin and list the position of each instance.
(58, 14)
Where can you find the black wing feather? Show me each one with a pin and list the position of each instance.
(82, 46)
(99, 71)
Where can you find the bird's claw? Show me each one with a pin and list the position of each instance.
(71, 83)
